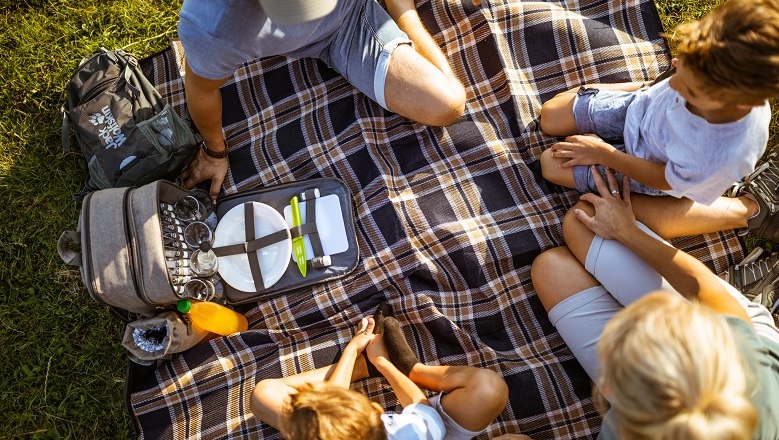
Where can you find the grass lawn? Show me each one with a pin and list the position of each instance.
(62, 365)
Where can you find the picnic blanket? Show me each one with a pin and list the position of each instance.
(448, 219)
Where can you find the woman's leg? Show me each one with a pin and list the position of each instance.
(578, 306)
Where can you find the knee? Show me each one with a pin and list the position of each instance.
(571, 225)
(545, 271)
(490, 390)
(550, 168)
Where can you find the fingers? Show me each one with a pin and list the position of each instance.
(603, 190)
(585, 219)
(216, 186)
(626, 191)
(371, 324)
(613, 186)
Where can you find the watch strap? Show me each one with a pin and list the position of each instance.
(215, 154)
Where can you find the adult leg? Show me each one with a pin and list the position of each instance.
(578, 306)
(420, 84)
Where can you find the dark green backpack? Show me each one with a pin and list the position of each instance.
(128, 135)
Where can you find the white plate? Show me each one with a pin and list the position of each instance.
(274, 259)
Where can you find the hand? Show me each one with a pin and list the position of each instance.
(613, 215)
(376, 349)
(203, 168)
(586, 149)
(363, 336)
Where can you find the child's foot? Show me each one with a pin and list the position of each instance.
(762, 186)
(400, 353)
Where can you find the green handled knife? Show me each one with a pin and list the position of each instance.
(298, 244)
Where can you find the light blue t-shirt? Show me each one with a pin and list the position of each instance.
(416, 422)
(220, 35)
(702, 159)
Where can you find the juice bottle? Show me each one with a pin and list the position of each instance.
(213, 317)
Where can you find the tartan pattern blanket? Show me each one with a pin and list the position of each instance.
(448, 219)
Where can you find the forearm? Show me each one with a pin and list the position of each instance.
(620, 87)
(651, 174)
(405, 389)
(204, 103)
(343, 369)
(409, 22)
(691, 278)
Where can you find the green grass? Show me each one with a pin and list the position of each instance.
(63, 369)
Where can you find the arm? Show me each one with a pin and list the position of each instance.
(614, 220)
(405, 389)
(592, 150)
(343, 369)
(204, 102)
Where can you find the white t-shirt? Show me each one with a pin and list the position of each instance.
(702, 159)
(416, 422)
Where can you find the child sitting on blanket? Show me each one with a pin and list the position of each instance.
(318, 404)
(692, 135)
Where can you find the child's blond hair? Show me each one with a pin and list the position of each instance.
(329, 412)
(735, 50)
(671, 370)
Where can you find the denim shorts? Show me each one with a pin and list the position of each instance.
(603, 112)
(360, 50)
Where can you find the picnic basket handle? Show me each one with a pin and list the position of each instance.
(69, 256)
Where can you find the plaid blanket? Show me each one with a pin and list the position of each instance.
(448, 219)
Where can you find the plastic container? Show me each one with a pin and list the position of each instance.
(213, 317)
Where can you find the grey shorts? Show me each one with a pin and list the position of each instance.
(361, 48)
(603, 112)
(581, 317)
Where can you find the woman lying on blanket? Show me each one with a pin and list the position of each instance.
(318, 404)
(676, 351)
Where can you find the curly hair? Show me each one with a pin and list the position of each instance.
(671, 370)
(735, 50)
(329, 412)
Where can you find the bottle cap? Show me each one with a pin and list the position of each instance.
(205, 246)
(184, 305)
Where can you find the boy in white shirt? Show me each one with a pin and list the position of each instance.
(690, 136)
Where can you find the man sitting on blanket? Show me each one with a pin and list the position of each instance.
(319, 404)
(357, 38)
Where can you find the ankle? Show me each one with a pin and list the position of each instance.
(752, 207)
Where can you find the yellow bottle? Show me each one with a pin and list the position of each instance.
(213, 317)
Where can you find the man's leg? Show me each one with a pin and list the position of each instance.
(420, 84)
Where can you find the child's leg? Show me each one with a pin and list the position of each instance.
(557, 114)
(473, 397)
(670, 217)
(462, 386)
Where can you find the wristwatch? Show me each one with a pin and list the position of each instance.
(215, 154)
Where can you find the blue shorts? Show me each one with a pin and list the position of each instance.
(360, 50)
(603, 112)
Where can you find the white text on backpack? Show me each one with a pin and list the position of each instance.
(109, 130)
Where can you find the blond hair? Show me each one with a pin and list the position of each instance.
(329, 412)
(734, 50)
(671, 370)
